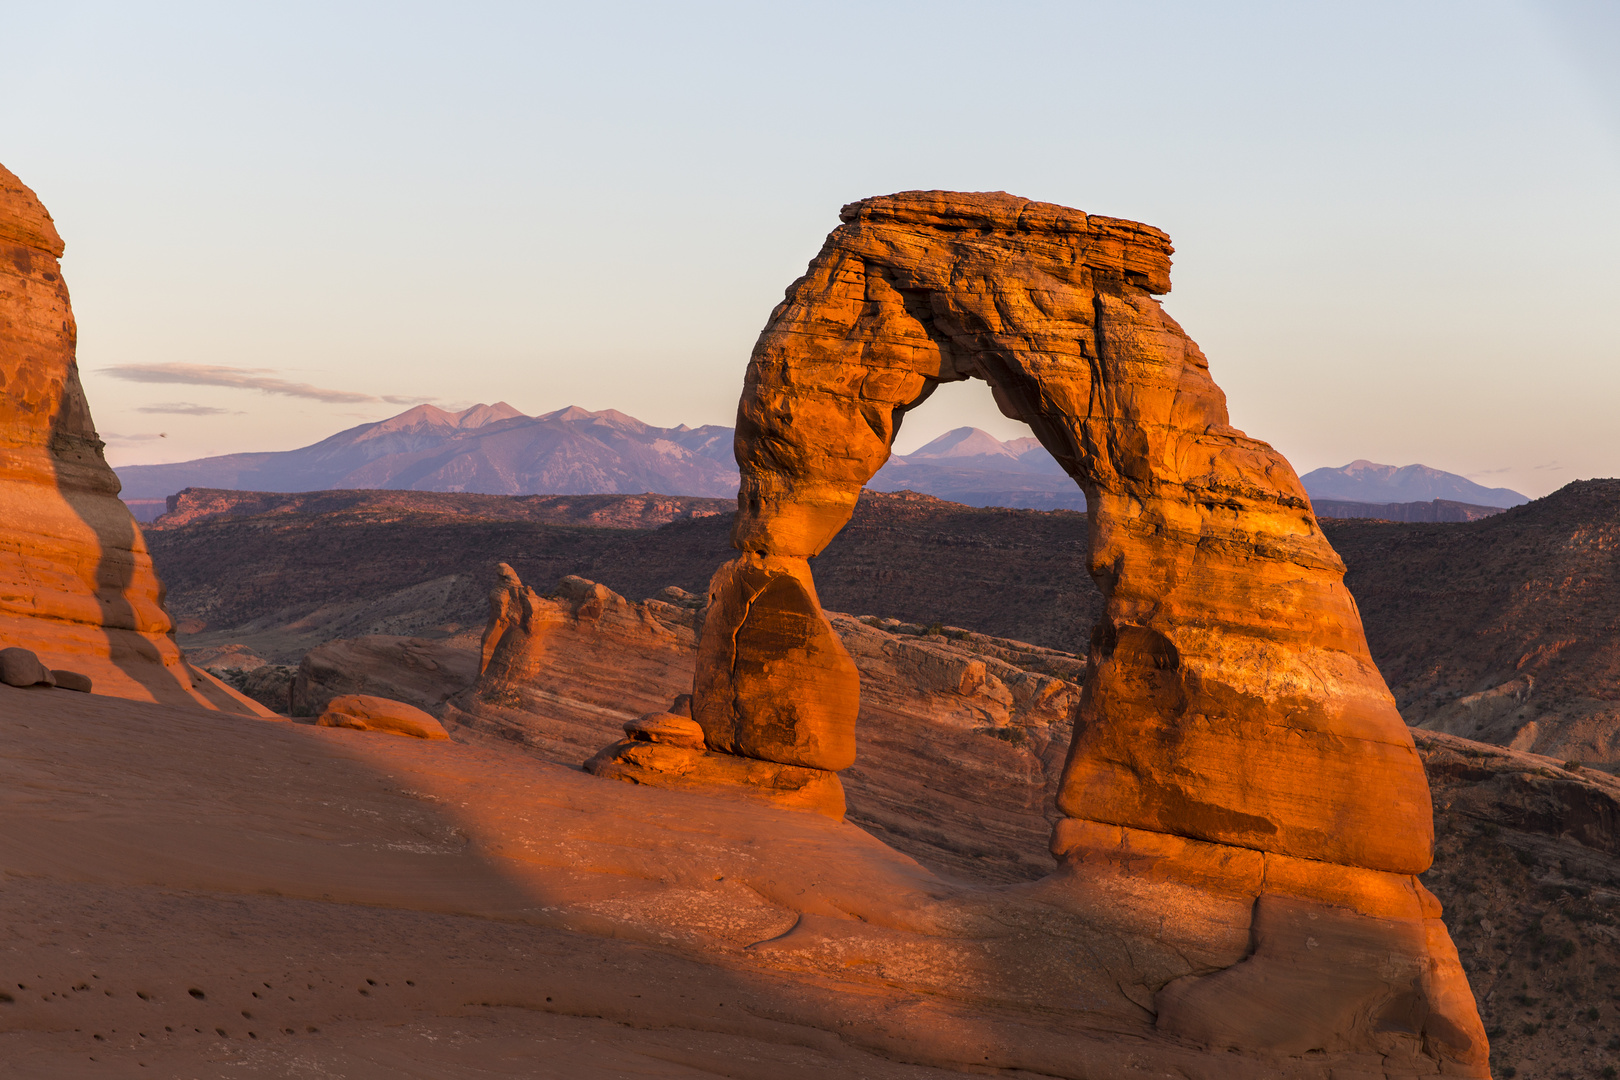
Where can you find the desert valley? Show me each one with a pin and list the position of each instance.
(480, 744)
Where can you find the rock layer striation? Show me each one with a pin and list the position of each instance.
(76, 582)
(1237, 759)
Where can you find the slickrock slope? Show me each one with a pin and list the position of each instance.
(421, 671)
(1234, 743)
(1505, 630)
(1527, 858)
(76, 582)
(195, 894)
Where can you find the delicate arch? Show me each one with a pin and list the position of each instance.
(1231, 696)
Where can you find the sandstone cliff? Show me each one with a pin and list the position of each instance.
(76, 582)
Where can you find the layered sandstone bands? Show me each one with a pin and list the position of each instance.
(76, 582)
(1234, 737)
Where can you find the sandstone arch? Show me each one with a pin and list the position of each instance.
(1233, 739)
(1232, 698)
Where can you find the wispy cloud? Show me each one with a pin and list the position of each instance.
(263, 380)
(186, 408)
(114, 437)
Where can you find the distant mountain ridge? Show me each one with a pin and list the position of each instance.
(486, 449)
(497, 450)
(974, 468)
(1369, 482)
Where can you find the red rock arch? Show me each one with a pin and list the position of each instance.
(1231, 696)
(1234, 743)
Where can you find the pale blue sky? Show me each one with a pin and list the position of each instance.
(1397, 224)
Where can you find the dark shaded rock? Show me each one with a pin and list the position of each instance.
(21, 667)
(71, 680)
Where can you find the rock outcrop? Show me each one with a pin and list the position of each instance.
(963, 734)
(76, 583)
(363, 712)
(1504, 630)
(1237, 758)
(425, 672)
(1527, 860)
(20, 667)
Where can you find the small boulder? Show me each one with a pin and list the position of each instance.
(366, 713)
(667, 728)
(71, 680)
(20, 667)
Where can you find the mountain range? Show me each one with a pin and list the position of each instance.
(497, 450)
(1368, 482)
(975, 468)
(488, 449)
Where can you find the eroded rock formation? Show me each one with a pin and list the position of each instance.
(1238, 765)
(422, 671)
(365, 712)
(963, 734)
(76, 583)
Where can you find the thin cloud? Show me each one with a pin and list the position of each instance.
(186, 408)
(113, 437)
(260, 379)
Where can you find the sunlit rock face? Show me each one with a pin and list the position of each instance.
(1235, 745)
(76, 583)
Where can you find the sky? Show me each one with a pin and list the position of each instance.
(1397, 225)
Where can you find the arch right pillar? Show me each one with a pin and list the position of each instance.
(1234, 735)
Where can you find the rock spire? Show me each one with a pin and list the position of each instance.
(76, 582)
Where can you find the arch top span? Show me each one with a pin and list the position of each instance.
(1052, 307)
(1109, 245)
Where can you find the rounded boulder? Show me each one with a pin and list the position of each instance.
(366, 713)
